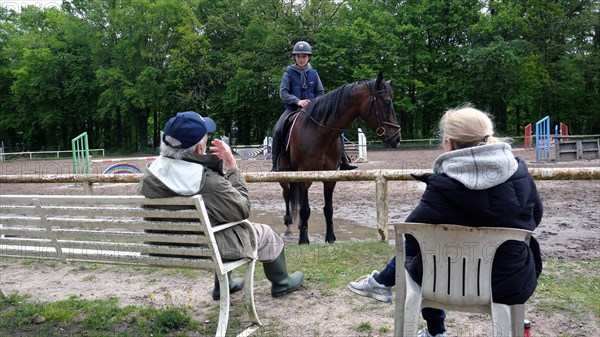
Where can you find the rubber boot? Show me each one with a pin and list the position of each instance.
(235, 285)
(345, 164)
(281, 282)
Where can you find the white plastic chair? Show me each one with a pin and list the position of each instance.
(457, 273)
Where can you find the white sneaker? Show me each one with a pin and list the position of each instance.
(425, 333)
(367, 286)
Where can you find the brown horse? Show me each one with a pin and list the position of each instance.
(315, 143)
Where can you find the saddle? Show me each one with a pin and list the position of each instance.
(285, 131)
(288, 128)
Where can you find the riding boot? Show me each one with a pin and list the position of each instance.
(275, 159)
(275, 149)
(235, 285)
(281, 282)
(345, 164)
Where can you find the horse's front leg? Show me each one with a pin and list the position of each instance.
(328, 211)
(304, 213)
(287, 219)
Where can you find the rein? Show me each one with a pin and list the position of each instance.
(380, 130)
(325, 126)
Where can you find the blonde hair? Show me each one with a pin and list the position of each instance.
(466, 126)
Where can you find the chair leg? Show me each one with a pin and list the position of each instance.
(250, 305)
(507, 320)
(501, 322)
(412, 311)
(517, 315)
(223, 305)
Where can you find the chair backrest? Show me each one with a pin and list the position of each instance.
(457, 262)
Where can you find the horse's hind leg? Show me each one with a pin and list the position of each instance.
(328, 211)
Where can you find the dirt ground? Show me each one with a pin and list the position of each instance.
(570, 230)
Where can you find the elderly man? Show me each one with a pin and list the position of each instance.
(185, 169)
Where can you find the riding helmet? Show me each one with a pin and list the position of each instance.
(302, 47)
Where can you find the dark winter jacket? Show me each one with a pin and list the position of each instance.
(298, 84)
(485, 186)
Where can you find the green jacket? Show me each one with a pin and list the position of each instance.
(225, 195)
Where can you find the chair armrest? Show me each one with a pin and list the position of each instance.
(226, 225)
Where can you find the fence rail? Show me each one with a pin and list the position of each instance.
(37, 154)
(381, 178)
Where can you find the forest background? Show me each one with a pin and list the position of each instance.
(120, 69)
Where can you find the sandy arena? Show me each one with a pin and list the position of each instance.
(570, 230)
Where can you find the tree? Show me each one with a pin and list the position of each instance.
(53, 90)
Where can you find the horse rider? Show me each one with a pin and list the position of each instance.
(299, 86)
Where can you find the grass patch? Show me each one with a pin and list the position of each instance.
(333, 265)
(364, 327)
(572, 287)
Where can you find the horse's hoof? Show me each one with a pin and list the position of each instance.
(330, 239)
(303, 241)
(287, 233)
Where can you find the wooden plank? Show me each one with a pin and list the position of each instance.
(104, 236)
(103, 223)
(114, 211)
(143, 248)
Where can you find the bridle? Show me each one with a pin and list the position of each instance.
(380, 131)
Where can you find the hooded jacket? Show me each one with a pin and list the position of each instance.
(225, 195)
(484, 186)
(298, 84)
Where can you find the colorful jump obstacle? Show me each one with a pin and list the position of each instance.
(81, 154)
(122, 168)
(248, 152)
(542, 139)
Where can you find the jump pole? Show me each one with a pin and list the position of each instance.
(112, 160)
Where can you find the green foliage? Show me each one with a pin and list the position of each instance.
(120, 69)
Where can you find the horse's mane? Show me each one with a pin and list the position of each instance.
(327, 106)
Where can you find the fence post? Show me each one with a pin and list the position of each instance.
(528, 135)
(362, 147)
(381, 193)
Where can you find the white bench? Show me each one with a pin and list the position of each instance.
(115, 230)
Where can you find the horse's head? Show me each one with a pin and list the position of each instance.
(380, 114)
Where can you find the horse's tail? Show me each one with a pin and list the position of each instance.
(294, 202)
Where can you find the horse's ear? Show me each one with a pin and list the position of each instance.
(379, 79)
(389, 82)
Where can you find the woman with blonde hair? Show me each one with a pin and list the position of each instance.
(477, 181)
